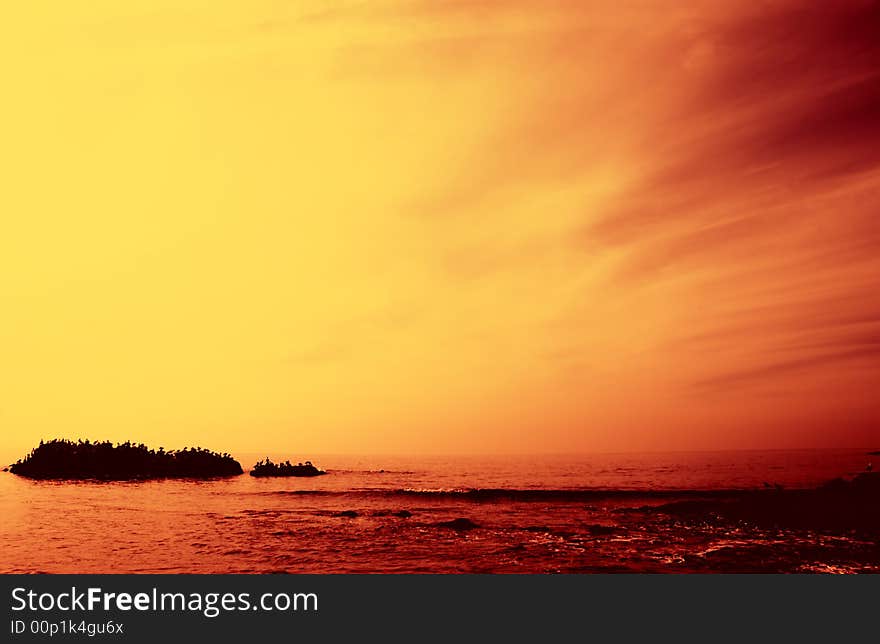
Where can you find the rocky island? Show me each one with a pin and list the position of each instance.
(81, 460)
(268, 468)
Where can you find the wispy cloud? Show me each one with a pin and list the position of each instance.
(762, 183)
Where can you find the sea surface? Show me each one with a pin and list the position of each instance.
(571, 514)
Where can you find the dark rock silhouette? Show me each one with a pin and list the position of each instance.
(458, 524)
(837, 506)
(268, 468)
(401, 514)
(351, 514)
(598, 530)
(876, 453)
(64, 459)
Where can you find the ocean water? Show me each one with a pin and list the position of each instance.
(572, 514)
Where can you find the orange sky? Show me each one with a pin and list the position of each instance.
(441, 226)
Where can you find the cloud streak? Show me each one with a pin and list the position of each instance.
(762, 182)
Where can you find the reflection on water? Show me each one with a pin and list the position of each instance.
(348, 521)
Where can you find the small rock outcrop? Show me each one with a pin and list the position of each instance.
(458, 524)
(268, 468)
